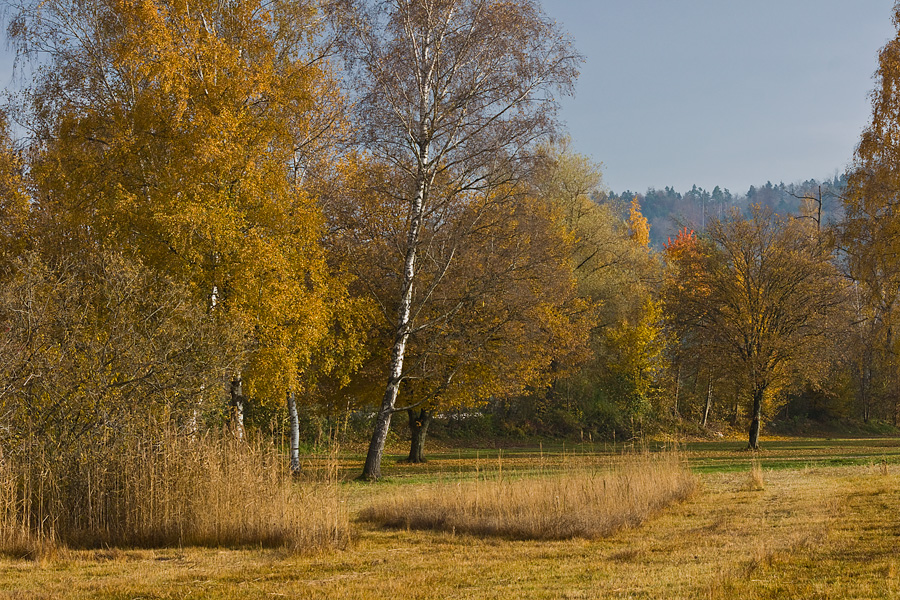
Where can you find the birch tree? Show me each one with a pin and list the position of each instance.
(500, 314)
(185, 135)
(870, 237)
(450, 91)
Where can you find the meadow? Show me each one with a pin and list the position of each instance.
(804, 518)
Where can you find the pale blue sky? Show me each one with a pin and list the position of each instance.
(717, 92)
(721, 92)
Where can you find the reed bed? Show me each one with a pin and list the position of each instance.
(582, 500)
(175, 490)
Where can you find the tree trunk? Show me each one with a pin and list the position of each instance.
(867, 380)
(372, 468)
(237, 407)
(867, 395)
(757, 417)
(418, 427)
(295, 433)
(708, 402)
(677, 390)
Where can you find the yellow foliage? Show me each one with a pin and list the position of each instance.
(640, 227)
(14, 207)
(635, 348)
(188, 142)
(502, 315)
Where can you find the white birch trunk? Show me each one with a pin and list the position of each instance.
(237, 407)
(295, 433)
(372, 468)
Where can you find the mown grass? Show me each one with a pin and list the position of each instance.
(812, 532)
(702, 457)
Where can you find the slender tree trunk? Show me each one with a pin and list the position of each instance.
(193, 425)
(737, 409)
(372, 468)
(418, 427)
(867, 381)
(757, 417)
(237, 407)
(677, 389)
(708, 402)
(295, 433)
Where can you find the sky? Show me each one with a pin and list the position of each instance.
(716, 92)
(721, 92)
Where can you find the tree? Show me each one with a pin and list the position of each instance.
(616, 274)
(499, 314)
(871, 232)
(640, 228)
(185, 136)
(14, 205)
(759, 295)
(96, 349)
(513, 320)
(453, 95)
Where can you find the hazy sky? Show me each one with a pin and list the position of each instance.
(721, 92)
(717, 92)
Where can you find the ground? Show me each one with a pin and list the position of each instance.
(826, 524)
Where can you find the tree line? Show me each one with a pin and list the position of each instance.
(669, 210)
(215, 210)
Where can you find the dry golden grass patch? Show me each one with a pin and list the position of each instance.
(175, 491)
(811, 533)
(581, 500)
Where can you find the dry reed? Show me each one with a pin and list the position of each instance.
(581, 500)
(173, 491)
(756, 482)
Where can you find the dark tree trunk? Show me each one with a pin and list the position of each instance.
(865, 377)
(237, 407)
(295, 433)
(418, 427)
(757, 417)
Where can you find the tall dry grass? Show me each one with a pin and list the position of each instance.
(757, 481)
(175, 490)
(581, 500)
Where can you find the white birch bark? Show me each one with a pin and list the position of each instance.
(295, 433)
(372, 468)
(237, 407)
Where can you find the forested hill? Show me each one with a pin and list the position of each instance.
(668, 210)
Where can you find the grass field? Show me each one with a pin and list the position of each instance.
(823, 522)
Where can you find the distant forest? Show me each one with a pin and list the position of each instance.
(668, 211)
